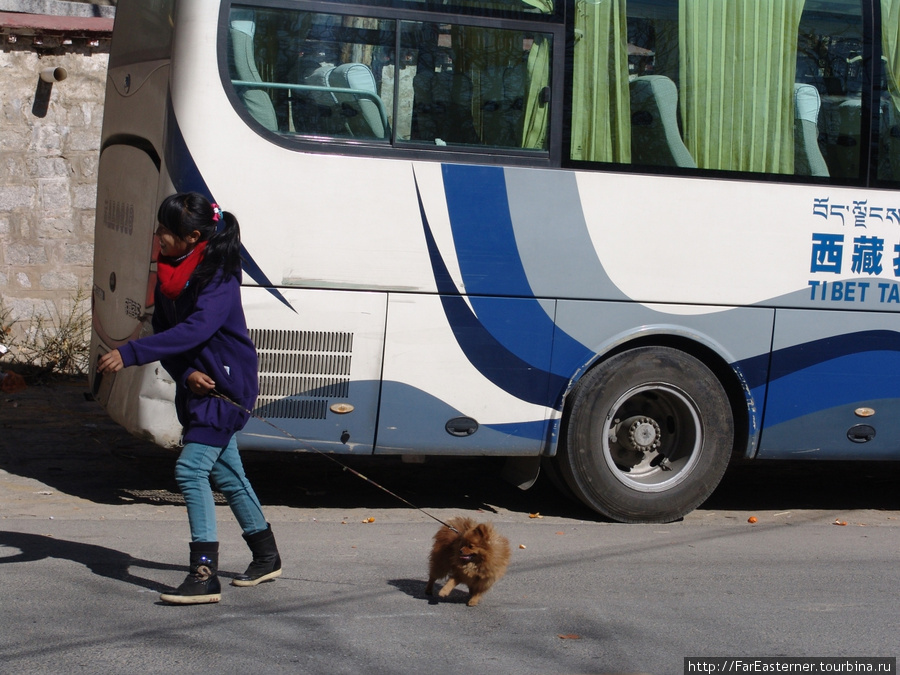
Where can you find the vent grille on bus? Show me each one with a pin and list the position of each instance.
(299, 371)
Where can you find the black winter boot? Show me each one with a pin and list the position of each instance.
(266, 563)
(201, 584)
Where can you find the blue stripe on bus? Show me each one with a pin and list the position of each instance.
(832, 372)
(483, 350)
(536, 430)
(483, 231)
(488, 256)
(186, 177)
(820, 375)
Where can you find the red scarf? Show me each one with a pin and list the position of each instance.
(174, 275)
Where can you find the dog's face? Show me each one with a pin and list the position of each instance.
(473, 546)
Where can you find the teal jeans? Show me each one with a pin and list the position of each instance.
(198, 467)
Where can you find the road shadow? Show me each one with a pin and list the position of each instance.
(808, 484)
(102, 561)
(54, 433)
(415, 588)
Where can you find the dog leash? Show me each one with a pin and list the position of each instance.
(306, 446)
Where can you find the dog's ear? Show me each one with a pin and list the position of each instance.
(483, 530)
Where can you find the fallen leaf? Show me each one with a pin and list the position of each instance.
(751, 519)
(840, 522)
(369, 520)
(521, 545)
(569, 636)
(535, 515)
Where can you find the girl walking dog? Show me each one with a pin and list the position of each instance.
(201, 339)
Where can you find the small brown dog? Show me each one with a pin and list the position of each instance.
(475, 555)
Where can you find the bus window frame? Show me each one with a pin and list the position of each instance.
(878, 87)
(415, 150)
(461, 10)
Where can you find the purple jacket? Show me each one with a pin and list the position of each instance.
(209, 335)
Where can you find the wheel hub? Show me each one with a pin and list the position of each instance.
(643, 434)
(637, 450)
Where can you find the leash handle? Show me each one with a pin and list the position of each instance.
(306, 446)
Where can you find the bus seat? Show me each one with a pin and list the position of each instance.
(847, 147)
(442, 105)
(315, 113)
(514, 84)
(808, 159)
(257, 101)
(492, 104)
(343, 114)
(363, 118)
(655, 139)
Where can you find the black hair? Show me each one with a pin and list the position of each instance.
(184, 212)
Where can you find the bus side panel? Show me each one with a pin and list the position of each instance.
(452, 386)
(319, 369)
(137, 398)
(740, 336)
(835, 390)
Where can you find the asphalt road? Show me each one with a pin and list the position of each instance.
(92, 529)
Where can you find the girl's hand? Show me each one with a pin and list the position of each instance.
(200, 384)
(111, 362)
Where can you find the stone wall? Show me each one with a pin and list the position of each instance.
(49, 151)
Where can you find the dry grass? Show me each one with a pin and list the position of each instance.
(58, 341)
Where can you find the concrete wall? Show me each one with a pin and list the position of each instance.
(48, 167)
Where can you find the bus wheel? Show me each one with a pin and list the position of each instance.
(649, 435)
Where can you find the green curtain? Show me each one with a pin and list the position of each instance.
(738, 64)
(890, 46)
(601, 117)
(537, 114)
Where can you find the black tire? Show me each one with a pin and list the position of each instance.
(648, 437)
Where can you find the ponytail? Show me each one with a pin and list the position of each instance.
(223, 250)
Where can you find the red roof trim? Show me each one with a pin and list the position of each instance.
(43, 23)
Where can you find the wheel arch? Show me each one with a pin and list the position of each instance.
(704, 349)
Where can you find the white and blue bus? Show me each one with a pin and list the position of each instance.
(624, 240)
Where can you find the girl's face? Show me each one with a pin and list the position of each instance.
(173, 246)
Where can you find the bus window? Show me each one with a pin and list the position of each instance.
(314, 74)
(310, 73)
(829, 57)
(889, 127)
(731, 85)
(474, 86)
